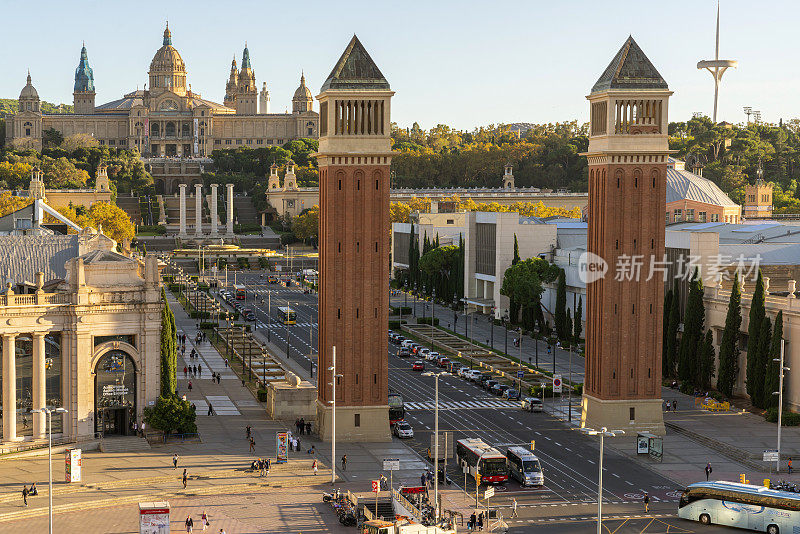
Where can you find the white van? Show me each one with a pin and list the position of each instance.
(524, 466)
(531, 404)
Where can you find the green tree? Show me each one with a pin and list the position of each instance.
(522, 284)
(671, 359)
(169, 356)
(757, 315)
(705, 351)
(760, 369)
(729, 346)
(772, 378)
(52, 137)
(171, 414)
(577, 322)
(561, 306)
(516, 251)
(693, 327)
(438, 264)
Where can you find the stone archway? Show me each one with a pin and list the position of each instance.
(115, 392)
(160, 187)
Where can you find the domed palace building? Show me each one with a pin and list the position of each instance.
(167, 119)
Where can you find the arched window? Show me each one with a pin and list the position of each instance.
(185, 130)
(115, 393)
(169, 129)
(154, 130)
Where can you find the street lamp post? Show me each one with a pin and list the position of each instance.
(436, 443)
(505, 329)
(415, 299)
(269, 313)
(424, 303)
(332, 402)
(49, 413)
(433, 308)
(405, 301)
(603, 432)
(286, 322)
(779, 393)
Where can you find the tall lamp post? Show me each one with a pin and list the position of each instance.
(405, 297)
(415, 299)
(332, 402)
(433, 308)
(779, 393)
(436, 442)
(49, 413)
(603, 433)
(505, 319)
(424, 302)
(286, 321)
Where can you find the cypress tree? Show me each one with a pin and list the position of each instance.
(760, 370)
(729, 346)
(772, 379)
(561, 306)
(568, 326)
(693, 326)
(576, 323)
(705, 353)
(169, 357)
(757, 315)
(516, 251)
(665, 331)
(672, 334)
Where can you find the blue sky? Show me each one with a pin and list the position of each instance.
(463, 63)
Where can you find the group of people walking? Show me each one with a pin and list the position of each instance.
(302, 426)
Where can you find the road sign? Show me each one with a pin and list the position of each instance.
(391, 464)
(465, 469)
(488, 493)
(771, 455)
(556, 383)
(376, 486)
(520, 374)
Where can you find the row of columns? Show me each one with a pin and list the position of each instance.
(10, 387)
(198, 210)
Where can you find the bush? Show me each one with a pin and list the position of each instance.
(168, 279)
(246, 228)
(579, 389)
(395, 325)
(208, 325)
(427, 320)
(263, 262)
(787, 418)
(175, 288)
(157, 229)
(686, 388)
(171, 414)
(200, 314)
(288, 238)
(262, 395)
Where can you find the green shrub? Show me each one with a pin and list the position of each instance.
(262, 395)
(395, 325)
(263, 262)
(171, 414)
(208, 325)
(157, 229)
(246, 228)
(687, 388)
(288, 238)
(787, 418)
(427, 320)
(175, 288)
(168, 279)
(578, 389)
(194, 314)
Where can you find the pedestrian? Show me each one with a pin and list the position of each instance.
(473, 519)
(135, 428)
(185, 372)
(297, 444)
(247, 429)
(210, 409)
(184, 478)
(204, 520)
(218, 377)
(423, 480)
(25, 495)
(789, 465)
(189, 524)
(646, 502)
(269, 464)
(344, 462)
(308, 427)
(189, 387)
(226, 363)
(175, 461)
(222, 531)
(263, 466)
(302, 426)
(312, 450)
(674, 405)
(314, 467)
(666, 408)
(514, 508)
(480, 521)
(199, 370)
(194, 368)
(252, 445)
(708, 470)
(142, 430)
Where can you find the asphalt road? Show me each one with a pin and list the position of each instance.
(569, 459)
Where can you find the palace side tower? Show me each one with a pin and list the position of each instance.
(627, 159)
(354, 159)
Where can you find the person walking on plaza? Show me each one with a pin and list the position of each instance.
(210, 409)
(189, 524)
(204, 520)
(423, 480)
(314, 467)
(247, 429)
(646, 502)
(473, 519)
(185, 372)
(184, 478)
(302, 425)
(344, 462)
(480, 521)
(175, 461)
(25, 495)
(789, 465)
(308, 427)
(199, 370)
(708, 470)
(218, 377)
(252, 445)
(674, 405)
(514, 508)
(226, 363)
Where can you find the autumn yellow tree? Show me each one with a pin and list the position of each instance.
(10, 203)
(306, 225)
(113, 221)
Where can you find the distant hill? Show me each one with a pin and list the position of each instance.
(521, 126)
(10, 105)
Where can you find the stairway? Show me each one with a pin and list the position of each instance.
(130, 205)
(123, 444)
(244, 211)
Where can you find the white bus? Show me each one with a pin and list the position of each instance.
(482, 459)
(524, 466)
(741, 505)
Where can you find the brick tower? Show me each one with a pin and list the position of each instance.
(627, 159)
(354, 158)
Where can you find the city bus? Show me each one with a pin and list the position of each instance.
(397, 411)
(741, 505)
(482, 459)
(239, 291)
(287, 315)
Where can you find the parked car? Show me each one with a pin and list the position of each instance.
(489, 384)
(474, 375)
(403, 430)
(532, 404)
(455, 368)
(484, 377)
(443, 362)
(498, 389)
(424, 351)
(249, 315)
(403, 353)
(511, 394)
(407, 343)
(462, 371)
(418, 365)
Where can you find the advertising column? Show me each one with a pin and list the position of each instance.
(72, 459)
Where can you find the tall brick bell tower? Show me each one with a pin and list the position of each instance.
(354, 159)
(627, 159)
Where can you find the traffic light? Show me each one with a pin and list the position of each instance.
(533, 444)
(742, 479)
(478, 479)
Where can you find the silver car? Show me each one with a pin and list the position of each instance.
(531, 404)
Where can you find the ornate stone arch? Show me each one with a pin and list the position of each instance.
(101, 349)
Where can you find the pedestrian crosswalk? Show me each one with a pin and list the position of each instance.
(463, 405)
(222, 404)
(278, 326)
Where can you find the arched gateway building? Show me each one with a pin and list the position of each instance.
(167, 118)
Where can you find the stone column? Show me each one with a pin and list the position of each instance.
(792, 288)
(229, 229)
(182, 230)
(198, 209)
(214, 229)
(39, 392)
(9, 388)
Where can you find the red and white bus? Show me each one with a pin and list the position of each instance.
(483, 459)
(240, 291)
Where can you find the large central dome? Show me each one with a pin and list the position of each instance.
(167, 70)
